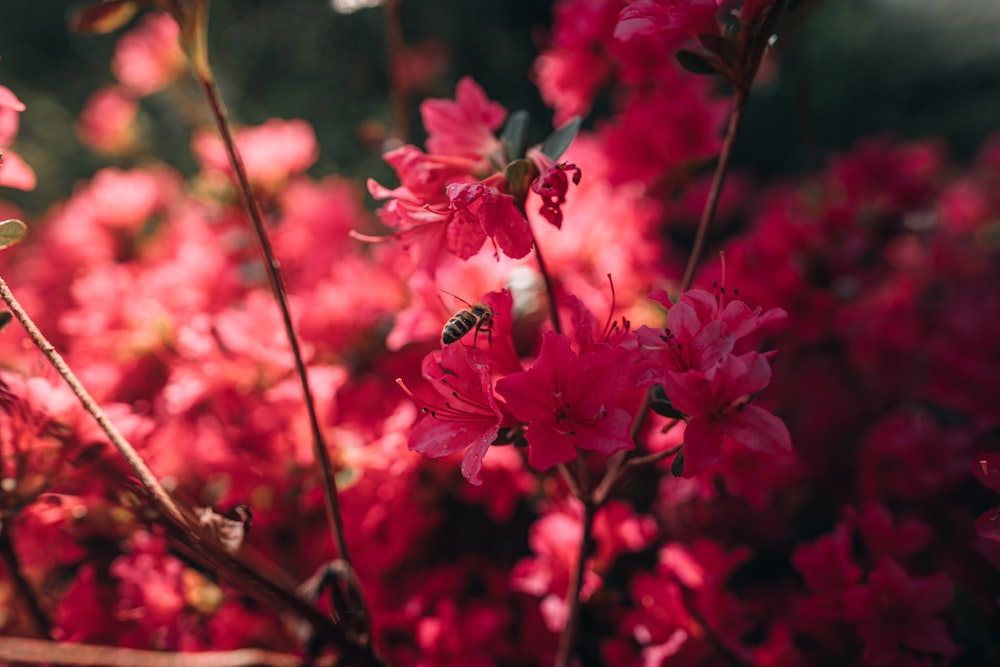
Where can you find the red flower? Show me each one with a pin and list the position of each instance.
(552, 185)
(987, 471)
(451, 199)
(14, 173)
(701, 329)
(569, 401)
(464, 127)
(656, 17)
(895, 611)
(717, 402)
(828, 569)
(149, 56)
(468, 416)
(489, 212)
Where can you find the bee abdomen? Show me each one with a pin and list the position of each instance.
(459, 325)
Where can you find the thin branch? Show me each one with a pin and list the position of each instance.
(571, 481)
(41, 652)
(271, 263)
(740, 97)
(158, 495)
(22, 587)
(615, 474)
(187, 538)
(549, 285)
(567, 642)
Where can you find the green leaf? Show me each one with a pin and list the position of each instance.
(559, 141)
(677, 465)
(661, 405)
(103, 17)
(515, 135)
(11, 231)
(696, 63)
(5, 318)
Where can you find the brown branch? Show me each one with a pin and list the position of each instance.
(22, 587)
(188, 538)
(41, 652)
(159, 497)
(272, 266)
(195, 26)
(740, 97)
(567, 642)
(549, 285)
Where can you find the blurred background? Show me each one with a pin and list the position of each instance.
(845, 69)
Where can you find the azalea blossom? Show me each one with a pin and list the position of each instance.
(896, 612)
(14, 172)
(456, 196)
(464, 415)
(717, 402)
(569, 400)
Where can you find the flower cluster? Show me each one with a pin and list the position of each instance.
(775, 467)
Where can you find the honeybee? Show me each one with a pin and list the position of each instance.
(478, 316)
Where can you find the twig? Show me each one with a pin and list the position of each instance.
(740, 97)
(567, 642)
(196, 32)
(188, 538)
(549, 287)
(615, 473)
(41, 652)
(22, 587)
(158, 495)
(278, 288)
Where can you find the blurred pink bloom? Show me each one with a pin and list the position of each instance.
(106, 122)
(14, 172)
(987, 471)
(895, 611)
(570, 72)
(272, 153)
(148, 56)
(466, 126)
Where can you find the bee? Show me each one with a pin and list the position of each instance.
(478, 316)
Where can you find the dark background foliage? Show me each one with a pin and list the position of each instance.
(914, 68)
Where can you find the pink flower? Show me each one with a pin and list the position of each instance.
(896, 611)
(570, 72)
(701, 330)
(491, 213)
(987, 471)
(464, 127)
(885, 538)
(552, 185)
(106, 122)
(272, 152)
(569, 401)
(828, 567)
(554, 541)
(717, 402)
(148, 57)
(464, 415)
(14, 172)
(655, 17)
